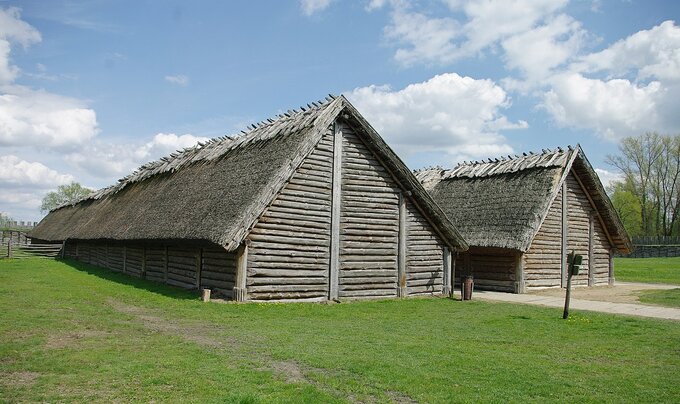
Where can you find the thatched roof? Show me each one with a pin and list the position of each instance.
(502, 202)
(216, 191)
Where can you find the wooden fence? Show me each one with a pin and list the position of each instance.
(15, 244)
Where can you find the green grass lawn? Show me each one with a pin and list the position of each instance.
(72, 332)
(668, 298)
(649, 270)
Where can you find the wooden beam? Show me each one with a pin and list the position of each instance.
(448, 276)
(240, 288)
(165, 264)
(333, 276)
(591, 264)
(199, 267)
(62, 253)
(143, 272)
(401, 263)
(124, 258)
(563, 260)
(611, 267)
(520, 285)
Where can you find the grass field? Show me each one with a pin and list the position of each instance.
(72, 332)
(668, 298)
(649, 270)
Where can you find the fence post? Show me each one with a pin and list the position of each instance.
(9, 248)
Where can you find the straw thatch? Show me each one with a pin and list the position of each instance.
(216, 191)
(502, 202)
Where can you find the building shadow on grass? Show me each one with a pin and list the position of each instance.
(125, 279)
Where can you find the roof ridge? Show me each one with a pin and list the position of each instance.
(502, 165)
(213, 148)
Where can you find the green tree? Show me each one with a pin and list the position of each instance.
(65, 194)
(4, 220)
(628, 206)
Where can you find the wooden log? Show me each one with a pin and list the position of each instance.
(240, 291)
(335, 212)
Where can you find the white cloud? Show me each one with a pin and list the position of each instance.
(180, 80)
(35, 117)
(108, 159)
(13, 30)
(24, 184)
(459, 115)
(608, 177)
(425, 39)
(538, 51)
(640, 91)
(615, 108)
(17, 172)
(41, 119)
(310, 7)
(653, 53)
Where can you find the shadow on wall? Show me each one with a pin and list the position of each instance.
(124, 279)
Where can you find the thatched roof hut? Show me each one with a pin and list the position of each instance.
(270, 185)
(512, 207)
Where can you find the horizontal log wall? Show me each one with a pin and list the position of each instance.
(424, 255)
(542, 262)
(578, 225)
(173, 264)
(289, 247)
(491, 268)
(369, 224)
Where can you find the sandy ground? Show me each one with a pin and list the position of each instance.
(621, 292)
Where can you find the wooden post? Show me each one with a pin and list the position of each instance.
(124, 258)
(199, 267)
(205, 295)
(9, 248)
(591, 264)
(77, 251)
(452, 259)
(520, 286)
(240, 290)
(611, 267)
(563, 263)
(333, 275)
(447, 288)
(143, 274)
(401, 264)
(62, 253)
(165, 264)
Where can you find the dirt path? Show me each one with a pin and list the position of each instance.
(621, 292)
(621, 299)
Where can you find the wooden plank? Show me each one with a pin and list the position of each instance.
(401, 268)
(240, 291)
(520, 284)
(199, 268)
(591, 264)
(563, 258)
(335, 212)
(447, 290)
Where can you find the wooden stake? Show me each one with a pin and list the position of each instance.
(333, 276)
(563, 263)
(240, 292)
(448, 276)
(401, 265)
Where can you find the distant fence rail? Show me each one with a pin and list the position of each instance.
(656, 240)
(15, 244)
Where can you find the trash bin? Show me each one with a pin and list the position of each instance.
(466, 287)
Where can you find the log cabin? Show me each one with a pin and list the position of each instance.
(522, 215)
(312, 205)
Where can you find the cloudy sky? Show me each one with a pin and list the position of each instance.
(90, 90)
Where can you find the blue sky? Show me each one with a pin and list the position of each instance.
(91, 90)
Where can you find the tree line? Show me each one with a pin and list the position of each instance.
(648, 197)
